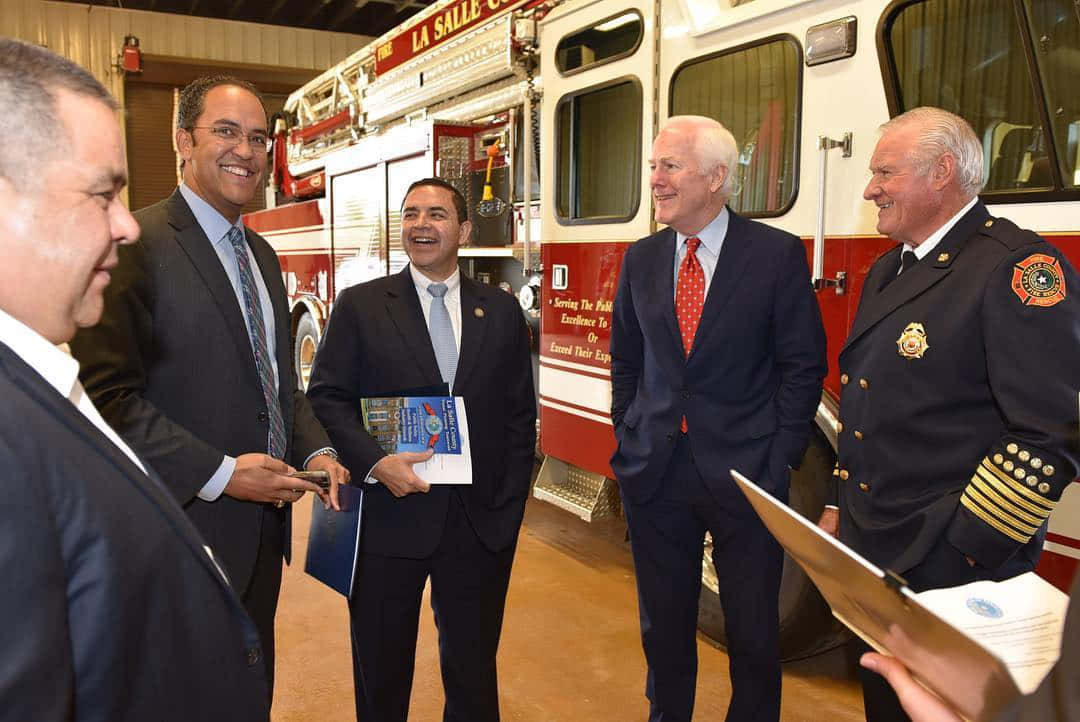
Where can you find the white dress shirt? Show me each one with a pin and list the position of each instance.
(61, 371)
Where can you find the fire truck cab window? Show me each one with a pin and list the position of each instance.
(598, 154)
(611, 39)
(970, 58)
(755, 92)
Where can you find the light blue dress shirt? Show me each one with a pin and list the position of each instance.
(712, 240)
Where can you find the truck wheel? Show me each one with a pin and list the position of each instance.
(304, 347)
(807, 626)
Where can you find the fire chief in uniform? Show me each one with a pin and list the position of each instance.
(958, 405)
(718, 354)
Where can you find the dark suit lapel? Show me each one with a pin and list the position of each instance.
(661, 287)
(149, 486)
(197, 246)
(474, 323)
(928, 272)
(730, 269)
(403, 306)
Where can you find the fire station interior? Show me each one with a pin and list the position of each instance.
(571, 643)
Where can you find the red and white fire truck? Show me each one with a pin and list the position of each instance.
(542, 111)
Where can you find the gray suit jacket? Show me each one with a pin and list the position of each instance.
(171, 368)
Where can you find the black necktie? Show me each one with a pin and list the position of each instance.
(907, 260)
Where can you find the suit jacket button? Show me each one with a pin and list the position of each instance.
(686, 394)
(864, 384)
(844, 474)
(858, 434)
(262, 417)
(671, 437)
(253, 656)
(844, 379)
(863, 486)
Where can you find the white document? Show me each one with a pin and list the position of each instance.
(450, 468)
(1019, 620)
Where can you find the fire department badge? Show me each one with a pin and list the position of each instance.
(1038, 281)
(912, 342)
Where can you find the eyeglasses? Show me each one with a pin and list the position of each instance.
(258, 140)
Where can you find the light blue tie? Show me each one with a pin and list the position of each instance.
(257, 332)
(442, 334)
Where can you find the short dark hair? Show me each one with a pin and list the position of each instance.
(30, 77)
(193, 97)
(459, 200)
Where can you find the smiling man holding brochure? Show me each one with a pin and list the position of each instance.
(425, 326)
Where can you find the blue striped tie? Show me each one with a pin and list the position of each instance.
(257, 330)
(442, 334)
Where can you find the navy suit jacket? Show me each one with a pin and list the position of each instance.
(112, 608)
(377, 344)
(752, 382)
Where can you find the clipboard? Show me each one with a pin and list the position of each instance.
(877, 605)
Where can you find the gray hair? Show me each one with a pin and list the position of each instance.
(30, 125)
(714, 146)
(943, 132)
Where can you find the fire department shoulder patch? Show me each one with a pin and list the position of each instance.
(1038, 281)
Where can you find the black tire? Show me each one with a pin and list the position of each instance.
(807, 626)
(305, 343)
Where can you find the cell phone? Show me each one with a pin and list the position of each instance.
(319, 478)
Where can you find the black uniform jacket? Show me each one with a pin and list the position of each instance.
(958, 402)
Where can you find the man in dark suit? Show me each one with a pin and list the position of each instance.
(115, 609)
(958, 379)
(192, 362)
(426, 325)
(718, 356)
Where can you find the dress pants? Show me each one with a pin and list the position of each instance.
(468, 594)
(261, 596)
(943, 566)
(667, 534)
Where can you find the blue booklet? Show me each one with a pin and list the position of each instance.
(334, 541)
(413, 423)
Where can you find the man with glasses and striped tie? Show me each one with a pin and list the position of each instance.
(425, 326)
(192, 361)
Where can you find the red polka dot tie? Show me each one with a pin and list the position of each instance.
(690, 294)
(689, 298)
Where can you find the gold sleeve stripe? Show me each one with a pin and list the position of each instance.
(1017, 486)
(974, 509)
(1004, 514)
(1011, 499)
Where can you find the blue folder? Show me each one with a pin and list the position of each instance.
(334, 541)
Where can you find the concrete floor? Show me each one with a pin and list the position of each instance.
(570, 648)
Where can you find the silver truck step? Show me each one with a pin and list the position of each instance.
(582, 493)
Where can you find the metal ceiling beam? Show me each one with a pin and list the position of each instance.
(316, 8)
(345, 13)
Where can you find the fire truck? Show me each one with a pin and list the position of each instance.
(542, 112)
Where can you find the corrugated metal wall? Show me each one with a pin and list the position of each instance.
(93, 36)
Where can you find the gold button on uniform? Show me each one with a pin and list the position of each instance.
(1012, 448)
(1048, 470)
(1044, 487)
(998, 458)
(858, 435)
(863, 486)
(1032, 480)
(1036, 463)
(844, 378)
(1019, 472)
(864, 384)
(1008, 465)
(844, 474)
(1024, 455)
